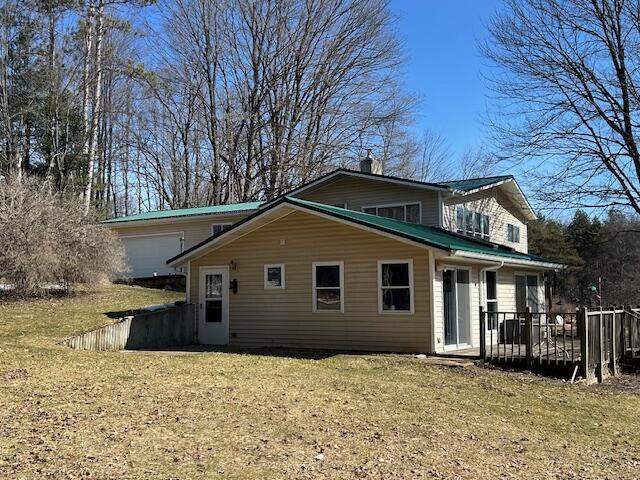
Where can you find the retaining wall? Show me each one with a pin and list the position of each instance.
(170, 327)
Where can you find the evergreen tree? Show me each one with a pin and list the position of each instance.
(548, 238)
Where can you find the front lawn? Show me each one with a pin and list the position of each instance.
(73, 414)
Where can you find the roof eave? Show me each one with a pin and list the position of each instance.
(510, 260)
(190, 252)
(179, 218)
(525, 206)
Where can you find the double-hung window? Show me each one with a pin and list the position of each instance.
(407, 212)
(216, 228)
(395, 286)
(328, 286)
(513, 233)
(274, 276)
(472, 223)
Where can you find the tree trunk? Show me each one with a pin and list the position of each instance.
(97, 103)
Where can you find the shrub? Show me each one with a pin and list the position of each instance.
(46, 239)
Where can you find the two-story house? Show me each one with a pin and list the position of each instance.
(353, 260)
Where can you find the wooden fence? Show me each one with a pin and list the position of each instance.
(173, 326)
(597, 342)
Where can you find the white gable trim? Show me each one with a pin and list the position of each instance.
(218, 241)
(525, 206)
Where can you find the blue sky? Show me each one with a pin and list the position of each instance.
(444, 65)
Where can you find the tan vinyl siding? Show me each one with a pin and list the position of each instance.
(259, 317)
(500, 209)
(506, 290)
(195, 231)
(361, 192)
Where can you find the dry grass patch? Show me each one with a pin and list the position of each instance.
(71, 414)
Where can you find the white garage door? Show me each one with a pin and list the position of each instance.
(147, 255)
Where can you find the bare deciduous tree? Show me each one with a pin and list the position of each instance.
(283, 91)
(476, 162)
(434, 159)
(567, 97)
(215, 102)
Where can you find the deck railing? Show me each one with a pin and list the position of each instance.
(595, 341)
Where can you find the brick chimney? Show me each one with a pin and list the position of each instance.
(370, 164)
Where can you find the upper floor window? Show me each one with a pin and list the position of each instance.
(473, 224)
(406, 212)
(216, 228)
(513, 233)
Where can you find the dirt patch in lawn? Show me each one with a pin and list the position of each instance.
(628, 382)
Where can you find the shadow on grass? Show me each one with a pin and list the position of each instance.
(124, 313)
(278, 352)
(9, 296)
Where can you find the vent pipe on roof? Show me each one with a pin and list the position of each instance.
(370, 164)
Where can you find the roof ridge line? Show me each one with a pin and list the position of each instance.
(477, 178)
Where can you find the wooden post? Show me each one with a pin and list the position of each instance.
(583, 324)
(613, 339)
(600, 344)
(483, 335)
(623, 333)
(528, 336)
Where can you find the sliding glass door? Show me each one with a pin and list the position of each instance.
(457, 308)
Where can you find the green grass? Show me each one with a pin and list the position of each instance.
(74, 414)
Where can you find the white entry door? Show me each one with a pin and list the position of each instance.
(213, 311)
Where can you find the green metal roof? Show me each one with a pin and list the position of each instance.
(430, 236)
(188, 212)
(474, 183)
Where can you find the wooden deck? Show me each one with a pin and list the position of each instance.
(547, 352)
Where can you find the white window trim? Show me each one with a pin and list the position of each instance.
(381, 310)
(314, 291)
(224, 225)
(400, 204)
(282, 276)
